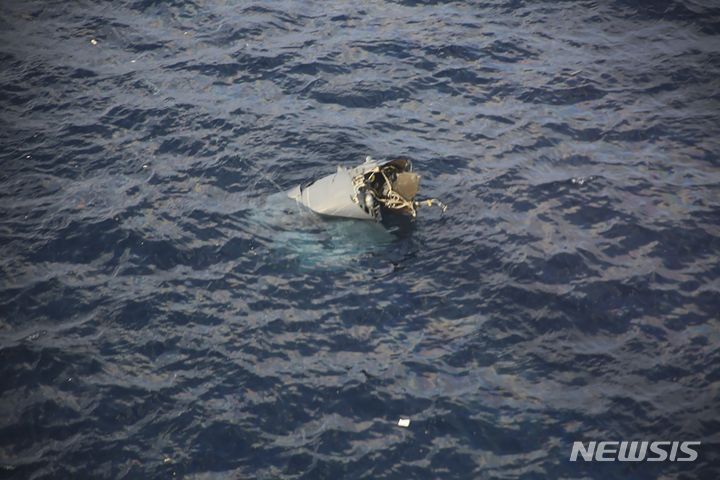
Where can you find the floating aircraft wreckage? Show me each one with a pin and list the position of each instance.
(369, 191)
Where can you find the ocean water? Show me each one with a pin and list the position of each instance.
(166, 313)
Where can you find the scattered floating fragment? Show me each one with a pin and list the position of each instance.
(404, 422)
(93, 41)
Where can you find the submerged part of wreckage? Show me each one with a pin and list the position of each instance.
(366, 192)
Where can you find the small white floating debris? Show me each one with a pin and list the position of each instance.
(404, 422)
(93, 41)
(167, 460)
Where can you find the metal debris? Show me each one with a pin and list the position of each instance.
(366, 192)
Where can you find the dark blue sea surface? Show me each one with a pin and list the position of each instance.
(166, 312)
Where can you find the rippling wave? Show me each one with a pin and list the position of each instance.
(167, 312)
